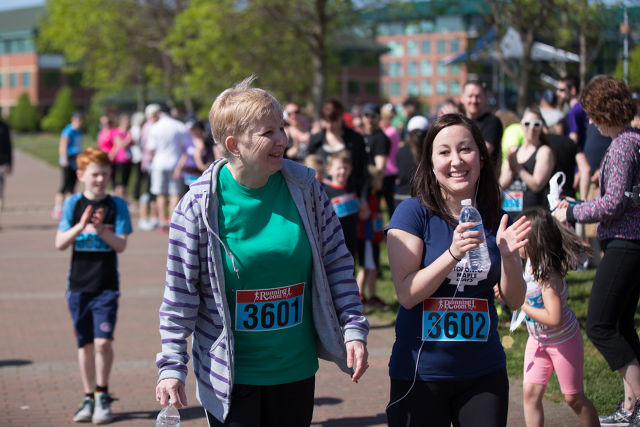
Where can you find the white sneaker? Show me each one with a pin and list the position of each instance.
(145, 224)
(84, 412)
(102, 412)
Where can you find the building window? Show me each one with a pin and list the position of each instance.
(51, 78)
(395, 69)
(353, 87)
(454, 88)
(412, 47)
(455, 45)
(412, 68)
(370, 88)
(390, 29)
(383, 89)
(441, 87)
(442, 46)
(426, 88)
(454, 69)
(13, 80)
(441, 69)
(412, 29)
(412, 88)
(26, 79)
(425, 47)
(74, 79)
(1, 78)
(395, 48)
(426, 69)
(395, 89)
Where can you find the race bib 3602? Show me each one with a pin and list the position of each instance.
(455, 319)
(269, 309)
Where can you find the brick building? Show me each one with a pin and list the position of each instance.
(420, 38)
(23, 69)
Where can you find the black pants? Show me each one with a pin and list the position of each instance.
(283, 405)
(69, 177)
(388, 191)
(482, 401)
(613, 302)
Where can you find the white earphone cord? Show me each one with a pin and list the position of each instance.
(415, 372)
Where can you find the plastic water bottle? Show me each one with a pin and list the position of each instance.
(168, 416)
(479, 257)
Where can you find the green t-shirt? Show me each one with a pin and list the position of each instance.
(270, 302)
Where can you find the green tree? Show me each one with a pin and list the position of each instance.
(24, 117)
(634, 68)
(117, 44)
(60, 112)
(219, 43)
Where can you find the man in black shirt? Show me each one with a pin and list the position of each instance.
(474, 101)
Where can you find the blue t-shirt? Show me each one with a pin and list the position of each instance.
(94, 264)
(74, 147)
(460, 328)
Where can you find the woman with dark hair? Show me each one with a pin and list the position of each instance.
(616, 288)
(447, 364)
(336, 137)
(526, 180)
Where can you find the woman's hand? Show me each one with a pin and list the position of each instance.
(513, 160)
(171, 388)
(511, 239)
(357, 352)
(464, 239)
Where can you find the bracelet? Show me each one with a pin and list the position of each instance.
(453, 256)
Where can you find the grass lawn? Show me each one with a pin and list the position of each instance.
(602, 386)
(42, 145)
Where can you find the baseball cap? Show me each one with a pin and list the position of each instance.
(371, 108)
(418, 122)
(151, 110)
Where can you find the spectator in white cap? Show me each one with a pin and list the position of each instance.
(407, 154)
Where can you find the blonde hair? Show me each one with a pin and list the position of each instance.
(236, 109)
(315, 162)
(92, 155)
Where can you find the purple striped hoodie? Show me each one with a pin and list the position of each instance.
(194, 301)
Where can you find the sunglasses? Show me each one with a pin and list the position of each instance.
(370, 115)
(293, 112)
(561, 89)
(536, 125)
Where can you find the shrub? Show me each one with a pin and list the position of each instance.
(24, 116)
(60, 113)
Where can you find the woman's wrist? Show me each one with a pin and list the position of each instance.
(453, 256)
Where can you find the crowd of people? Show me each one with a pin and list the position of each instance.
(282, 290)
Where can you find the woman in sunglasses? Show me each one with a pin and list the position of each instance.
(526, 179)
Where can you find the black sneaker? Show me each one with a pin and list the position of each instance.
(619, 417)
(635, 417)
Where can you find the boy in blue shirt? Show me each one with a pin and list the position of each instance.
(97, 225)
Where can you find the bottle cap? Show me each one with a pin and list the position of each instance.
(466, 202)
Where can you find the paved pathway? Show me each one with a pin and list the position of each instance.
(39, 380)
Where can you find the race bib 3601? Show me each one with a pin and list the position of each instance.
(455, 319)
(269, 309)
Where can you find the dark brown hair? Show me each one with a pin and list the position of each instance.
(608, 101)
(552, 246)
(332, 110)
(424, 184)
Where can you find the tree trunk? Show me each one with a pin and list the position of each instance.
(319, 57)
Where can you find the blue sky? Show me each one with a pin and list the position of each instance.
(15, 4)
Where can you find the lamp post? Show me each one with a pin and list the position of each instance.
(625, 30)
